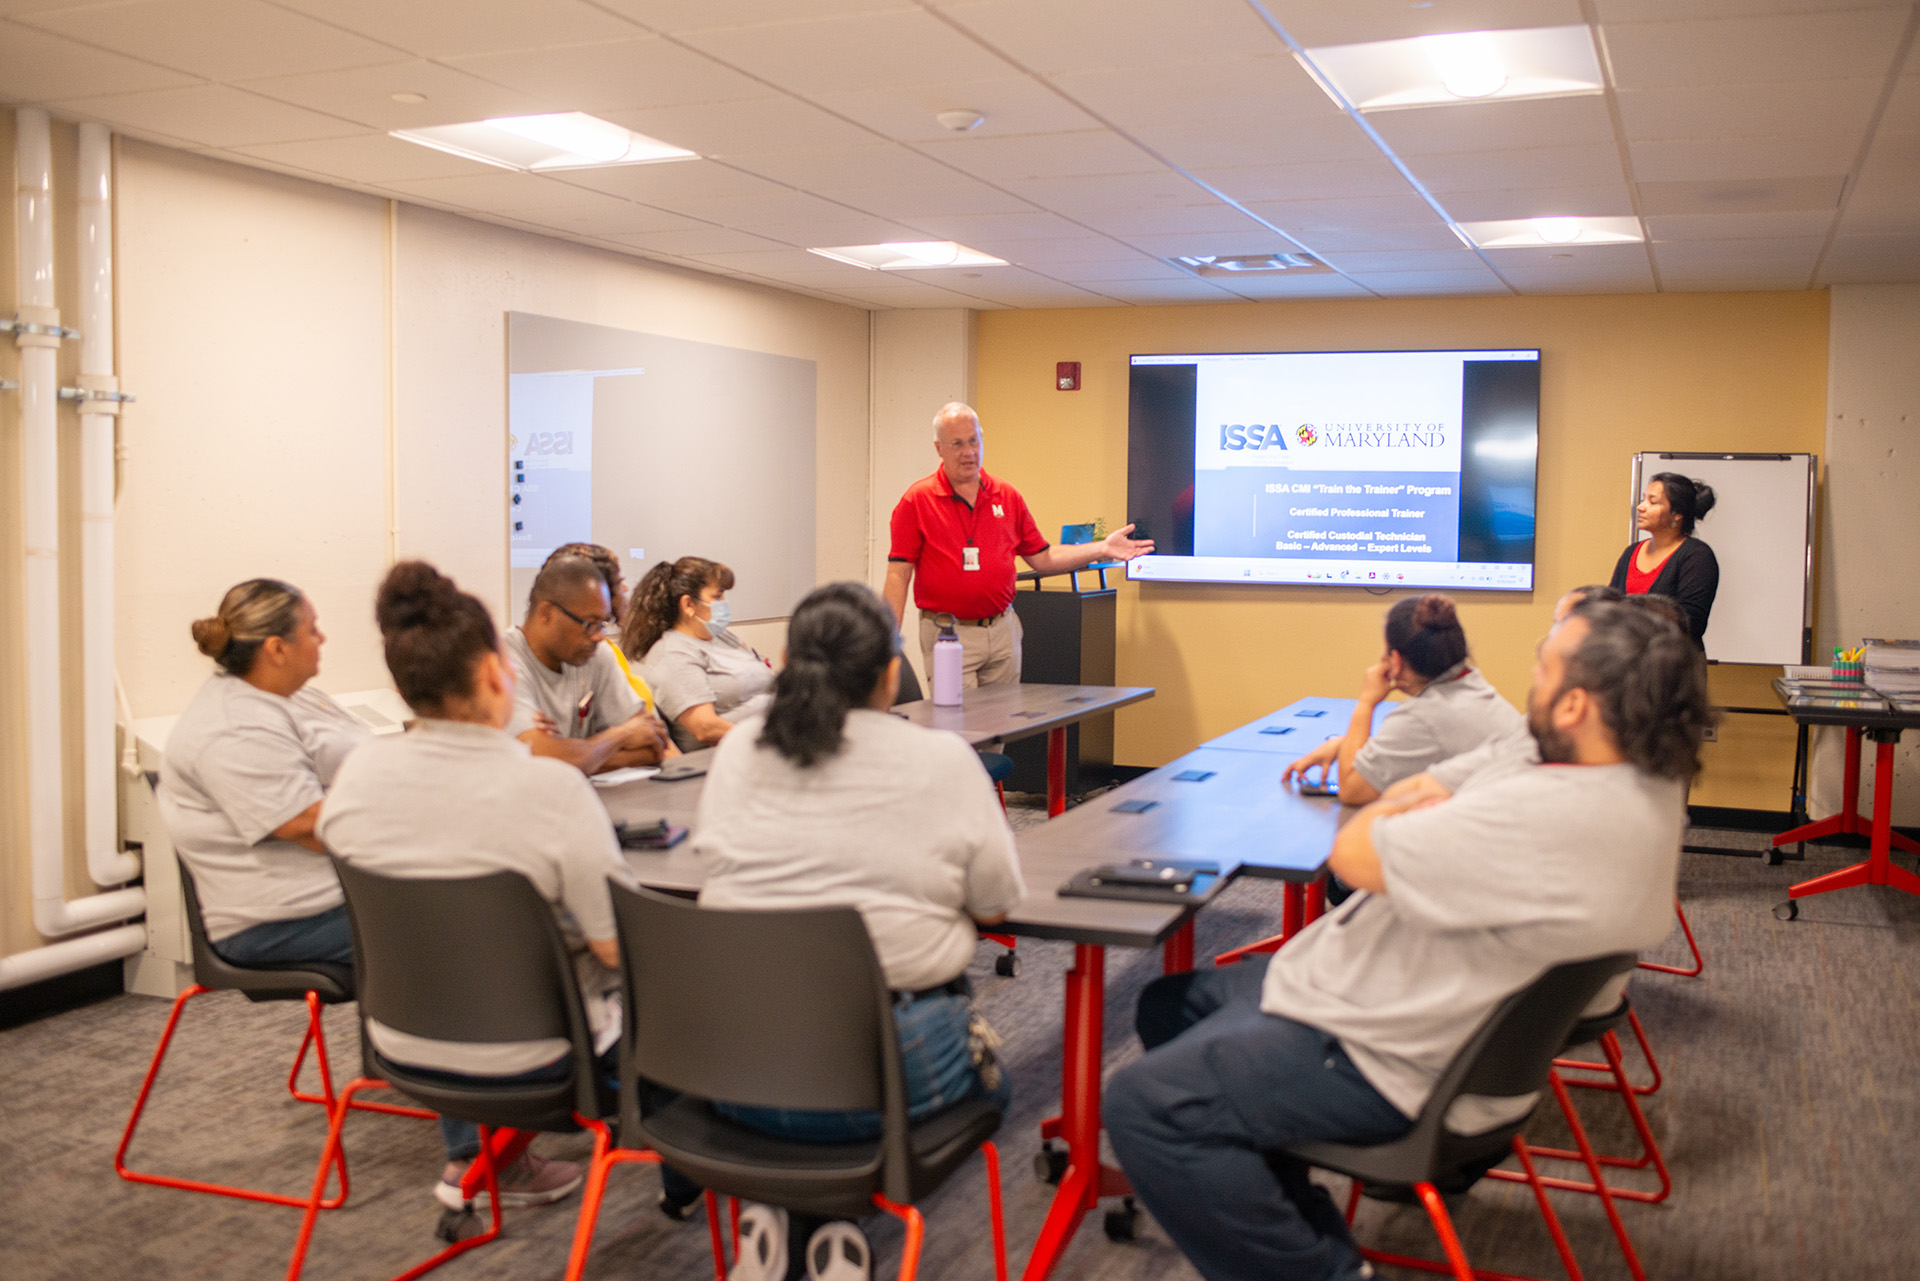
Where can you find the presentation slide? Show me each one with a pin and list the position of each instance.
(1406, 468)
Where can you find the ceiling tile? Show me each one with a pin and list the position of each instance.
(615, 76)
(1146, 293)
(1739, 258)
(371, 158)
(1496, 126)
(851, 52)
(1663, 10)
(797, 217)
(747, 127)
(950, 195)
(451, 28)
(1367, 175)
(1737, 158)
(1260, 80)
(697, 240)
(1086, 194)
(1253, 139)
(1371, 211)
(1043, 156)
(985, 231)
(211, 115)
(1338, 237)
(1752, 195)
(1012, 104)
(365, 94)
(38, 67)
(1079, 35)
(872, 164)
(1872, 260)
(218, 39)
(1830, 110)
(1254, 240)
(1568, 278)
(1410, 260)
(1754, 50)
(1280, 285)
(540, 199)
(1577, 165)
(1354, 21)
(1434, 284)
(1139, 267)
(699, 15)
(1178, 220)
(1740, 226)
(666, 184)
(1610, 200)
(1903, 108)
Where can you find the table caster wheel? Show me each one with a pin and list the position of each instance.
(457, 1225)
(1007, 965)
(1119, 1224)
(1050, 1163)
(1774, 856)
(1787, 911)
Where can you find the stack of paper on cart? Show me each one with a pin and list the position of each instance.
(1893, 666)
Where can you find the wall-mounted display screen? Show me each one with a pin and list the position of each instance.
(1401, 468)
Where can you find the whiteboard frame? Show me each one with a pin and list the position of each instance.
(1806, 571)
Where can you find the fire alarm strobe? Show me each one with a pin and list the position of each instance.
(1066, 375)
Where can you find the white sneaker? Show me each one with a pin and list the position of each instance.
(837, 1251)
(761, 1253)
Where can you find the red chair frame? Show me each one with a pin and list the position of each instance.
(1699, 961)
(1650, 1154)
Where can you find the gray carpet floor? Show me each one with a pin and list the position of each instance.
(1790, 1119)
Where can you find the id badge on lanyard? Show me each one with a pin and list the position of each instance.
(970, 557)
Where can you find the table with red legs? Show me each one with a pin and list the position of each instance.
(993, 714)
(1880, 720)
(1226, 807)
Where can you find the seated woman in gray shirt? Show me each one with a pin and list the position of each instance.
(1450, 709)
(830, 801)
(456, 796)
(247, 767)
(703, 677)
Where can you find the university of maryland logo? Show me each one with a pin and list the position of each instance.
(1304, 433)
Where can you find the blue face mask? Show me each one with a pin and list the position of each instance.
(722, 615)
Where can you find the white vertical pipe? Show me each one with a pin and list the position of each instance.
(105, 863)
(53, 916)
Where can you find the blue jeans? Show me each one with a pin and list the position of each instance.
(934, 1058)
(325, 937)
(1197, 1121)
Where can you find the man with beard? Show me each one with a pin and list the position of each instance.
(1469, 897)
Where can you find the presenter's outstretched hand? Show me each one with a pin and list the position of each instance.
(1319, 758)
(1119, 547)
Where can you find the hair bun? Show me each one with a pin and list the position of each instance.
(1434, 611)
(413, 594)
(1702, 498)
(212, 636)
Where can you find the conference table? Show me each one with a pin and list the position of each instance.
(1214, 804)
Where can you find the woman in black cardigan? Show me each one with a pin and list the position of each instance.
(1672, 562)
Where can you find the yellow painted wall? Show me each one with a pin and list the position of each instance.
(1619, 374)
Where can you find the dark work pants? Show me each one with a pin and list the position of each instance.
(1222, 1086)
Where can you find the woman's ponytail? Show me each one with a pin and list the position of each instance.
(839, 643)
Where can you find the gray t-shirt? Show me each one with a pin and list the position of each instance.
(1484, 893)
(1495, 758)
(1457, 712)
(241, 762)
(684, 672)
(450, 799)
(901, 823)
(538, 688)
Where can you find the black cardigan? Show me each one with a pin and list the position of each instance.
(1691, 576)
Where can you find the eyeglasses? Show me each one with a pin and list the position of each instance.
(591, 626)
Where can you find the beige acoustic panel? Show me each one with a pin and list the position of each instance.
(1064, 255)
(452, 28)
(1872, 260)
(1607, 200)
(1834, 110)
(994, 231)
(370, 158)
(1741, 195)
(36, 66)
(1135, 267)
(850, 51)
(1255, 138)
(217, 39)
(1178, 220)
(1358, 21)
(1523, 125)
(1740, 226)
(1735, 159)
(875, 163)
(365, 95)
(1084, 35)
(1368, 174)
(1083, 195)
(644, 71)
(210, 115)
(680, 180)
(1012, 104)
(1406, 260)
(696, 240)
(950, 194)
(1590, 164)
(771, 122)
(1754, 49)
(1040, 157)
(701, 15)
(1263, 81)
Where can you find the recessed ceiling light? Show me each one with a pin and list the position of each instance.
(560, 140)
(1537, 233)
(909, 255)
(409, 98)
(1464, 66)
(1294, 264)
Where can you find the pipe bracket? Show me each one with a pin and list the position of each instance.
(96, 400)
(23, 329)
(7, 384)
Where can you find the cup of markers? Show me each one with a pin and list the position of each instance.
(1849, 667)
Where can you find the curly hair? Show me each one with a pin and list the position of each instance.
(433, 634)
(655, 606)
(1650, 683)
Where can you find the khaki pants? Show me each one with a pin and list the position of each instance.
(990, 654)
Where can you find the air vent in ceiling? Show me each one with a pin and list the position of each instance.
(1293, 264)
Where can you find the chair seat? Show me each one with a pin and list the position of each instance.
(1405, 1162)
(829, 1179)
(540, 1105)
(281, 980)
(1594, 1026)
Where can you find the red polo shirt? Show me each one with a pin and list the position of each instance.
(931, 526)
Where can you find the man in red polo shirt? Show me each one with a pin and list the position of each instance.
(961, 528)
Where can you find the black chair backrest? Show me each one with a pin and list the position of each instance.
(785, 1009)
(477, 959)
(909, 684)
(274, 981)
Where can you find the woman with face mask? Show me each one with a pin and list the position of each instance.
(703, 677)
(1450, 707)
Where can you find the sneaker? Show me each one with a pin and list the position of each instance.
(531, 1180)
(679, 1211)
(761, 1251)
(837, 1251)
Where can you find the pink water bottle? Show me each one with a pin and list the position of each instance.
(947, 654)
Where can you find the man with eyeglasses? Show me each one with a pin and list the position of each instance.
(572, 701)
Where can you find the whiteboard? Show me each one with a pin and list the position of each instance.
(660, 448)
(1761, 532)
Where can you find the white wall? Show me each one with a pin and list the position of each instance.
(921, 360)
(1870, 545)
(321, 381)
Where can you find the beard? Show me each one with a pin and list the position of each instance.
(1555, 748)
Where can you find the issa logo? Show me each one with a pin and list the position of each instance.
(1239, 436)
(550, 443)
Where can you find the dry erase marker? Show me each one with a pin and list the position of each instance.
(585, 706)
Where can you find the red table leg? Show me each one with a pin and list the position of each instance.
(1293, 910)
(1086, 1180)
(1178, 950)
(1879, 869)
(1056, 772)
(1316, 901)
